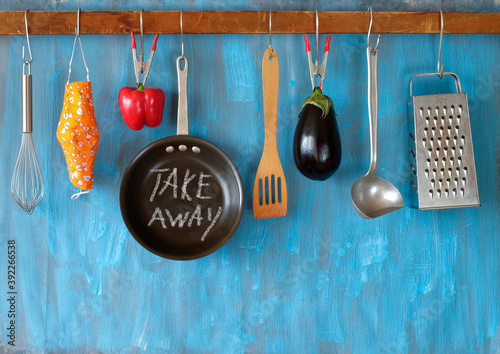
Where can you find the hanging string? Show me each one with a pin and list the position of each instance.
(77, 195)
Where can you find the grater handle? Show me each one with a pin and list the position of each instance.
(454, 76)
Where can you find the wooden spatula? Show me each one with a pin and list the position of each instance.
(269, 189)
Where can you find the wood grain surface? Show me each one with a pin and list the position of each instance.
(119, 22)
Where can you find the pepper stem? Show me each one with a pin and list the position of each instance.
(140, 87)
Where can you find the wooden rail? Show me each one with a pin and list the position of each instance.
(121, 22)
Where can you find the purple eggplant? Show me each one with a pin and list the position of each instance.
(316, 144)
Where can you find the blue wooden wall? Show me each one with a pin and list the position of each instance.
(319, 280)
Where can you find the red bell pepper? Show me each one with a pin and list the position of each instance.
(140, 106)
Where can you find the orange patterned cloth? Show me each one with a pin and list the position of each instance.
(78, 134)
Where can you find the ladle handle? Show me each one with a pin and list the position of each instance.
(182, 105)
(372, 56)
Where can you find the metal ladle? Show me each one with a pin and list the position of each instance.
(373, 196)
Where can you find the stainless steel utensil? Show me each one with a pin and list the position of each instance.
(373, 196)
(27, 181)
(441, 152)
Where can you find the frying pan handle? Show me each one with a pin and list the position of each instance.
(182, 106)
(454, 76)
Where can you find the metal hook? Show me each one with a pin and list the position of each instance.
(317, 35)
(77, 37)
(270, 26)
(370, 30)
(27, 39)
(182, 38)
(77, 28)
(441, 66)
(141, 57)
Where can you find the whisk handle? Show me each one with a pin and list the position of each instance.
(27, 108)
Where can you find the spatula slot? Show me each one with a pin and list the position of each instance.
(270, 190)
(279, 189)
(273, 189)
(260, 192)
(267, 189)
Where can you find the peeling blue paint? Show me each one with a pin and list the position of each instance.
(240, 70)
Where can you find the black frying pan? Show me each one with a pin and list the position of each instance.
(181, 197)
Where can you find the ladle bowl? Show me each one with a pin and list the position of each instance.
(373, 196)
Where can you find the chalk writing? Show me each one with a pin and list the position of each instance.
(171, 181)
(219, 211)
(196, 215)
(187, 179)
(158, 180)
(201, 185)
(168, 183)
(157, 216)
(179, 215)
(179, 219)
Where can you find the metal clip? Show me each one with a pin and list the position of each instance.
(316, 69)
(139, 65)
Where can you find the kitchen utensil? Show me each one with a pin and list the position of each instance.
(373, 196)
(269, 189)
(181, 197)
(316, 69)
(140, 66)
(441, 151)
(27, 181)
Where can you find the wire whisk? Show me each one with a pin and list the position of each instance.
(27, 181)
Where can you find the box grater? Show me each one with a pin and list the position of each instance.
(441, 154)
